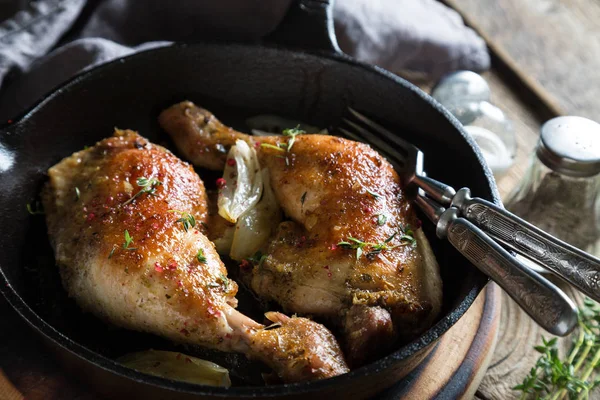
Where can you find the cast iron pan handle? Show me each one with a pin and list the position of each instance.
(308, 25)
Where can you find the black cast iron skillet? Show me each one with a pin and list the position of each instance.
(315, 85)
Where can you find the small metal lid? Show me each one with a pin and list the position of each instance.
(570, 146)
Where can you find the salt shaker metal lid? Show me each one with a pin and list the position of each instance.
(571, 146)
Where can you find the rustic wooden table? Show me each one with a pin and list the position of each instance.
(546, 57)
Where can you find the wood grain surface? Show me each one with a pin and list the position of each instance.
(514, 355)
(456, 366)
(554, 43)
(553, 47)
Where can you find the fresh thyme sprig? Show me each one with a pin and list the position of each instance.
(359, 246)
(186, 219)
(374, 194)
(575, 376)
(292, 133)
(257, 258)
(225, 281)
(148, 185)
(126, 244)
(201, 257)
(286, 147)
(128, 241)
(272, 146)
(406, 237)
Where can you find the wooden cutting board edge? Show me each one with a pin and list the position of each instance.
(455, 368)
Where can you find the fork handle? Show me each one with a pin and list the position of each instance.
(537, 296)
(438, 191)
(568, 262)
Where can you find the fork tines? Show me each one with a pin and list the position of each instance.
(401, 154)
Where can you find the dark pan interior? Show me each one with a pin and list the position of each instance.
(233, 81)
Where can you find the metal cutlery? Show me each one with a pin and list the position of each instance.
(462, 220)
(567, 262)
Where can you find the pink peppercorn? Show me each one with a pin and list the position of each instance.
(221, 182)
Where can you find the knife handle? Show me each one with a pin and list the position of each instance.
(549, 306)
(575, 266)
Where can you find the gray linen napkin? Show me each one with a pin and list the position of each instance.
(416, 35)
(421, 35)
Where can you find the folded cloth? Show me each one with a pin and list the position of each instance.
(32, 31)
(423, 35)
(419, 35)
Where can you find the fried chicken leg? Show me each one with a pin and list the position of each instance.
(119, 220)
(347, 253)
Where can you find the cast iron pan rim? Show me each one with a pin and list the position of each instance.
(113, 367)
(107, 364)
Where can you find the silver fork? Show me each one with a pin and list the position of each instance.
(569, 263)
(549, 306)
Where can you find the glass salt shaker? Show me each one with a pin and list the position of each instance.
(560, 192)
(467, 96)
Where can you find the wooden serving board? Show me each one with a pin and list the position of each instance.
(453, 370)
(456, 366)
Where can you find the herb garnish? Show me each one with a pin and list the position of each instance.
(128, 241)
(374, 194)
(381, 219)
(292, 133)
(200, 256)
(575, 376)
(126, 244)
(376, 248)
(38, 210)
(77, 193)
(148, 185)
(359, 245)
(408, 235)
(257, 258)
(225, 281)
(186, 219)
(286, 147)
(271, 146)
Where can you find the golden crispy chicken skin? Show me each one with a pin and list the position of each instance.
(118, 220)
(206, 141)
(334, 191)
